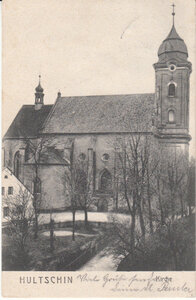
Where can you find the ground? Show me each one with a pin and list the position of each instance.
(67, 216)
(103, 261)
(65, 249)
(91, 249)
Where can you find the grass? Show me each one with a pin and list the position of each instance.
(39, 249)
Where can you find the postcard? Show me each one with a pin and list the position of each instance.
(98, 148)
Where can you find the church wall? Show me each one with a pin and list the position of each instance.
(29, 175)
(11, 146)
(101, 144)
(53, 188)
(53, 193)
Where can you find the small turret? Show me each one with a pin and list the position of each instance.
(39, 95)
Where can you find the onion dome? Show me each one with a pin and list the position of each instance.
(173, 44)
(39, 88)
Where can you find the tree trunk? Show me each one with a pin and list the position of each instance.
(142, 225)
(117, 195)
(149, 204)
(160, 203)
(51, 235)
(86, 217)
(173, 205)
(190, 211)
(36, 226)
(182, 206)
(73, 225)
(132, 233)
(150, 215)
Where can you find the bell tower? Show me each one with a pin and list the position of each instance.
(172, 73)
(39, 95)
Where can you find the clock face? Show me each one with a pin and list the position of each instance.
(172, 67)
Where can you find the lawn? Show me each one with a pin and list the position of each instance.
(40, 256)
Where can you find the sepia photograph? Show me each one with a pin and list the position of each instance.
(98, 139)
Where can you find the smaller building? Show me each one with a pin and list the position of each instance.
(12, 191)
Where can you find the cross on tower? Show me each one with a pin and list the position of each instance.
(173, 13)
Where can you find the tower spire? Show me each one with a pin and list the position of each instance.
(39, 95)
(173, 12)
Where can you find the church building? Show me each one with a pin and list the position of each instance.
(83, 127)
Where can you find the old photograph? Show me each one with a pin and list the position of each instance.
(98, 145)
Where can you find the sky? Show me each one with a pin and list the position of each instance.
(88, 47)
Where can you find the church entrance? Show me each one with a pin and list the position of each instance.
(103, 206)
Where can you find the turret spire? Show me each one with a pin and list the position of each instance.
(39, 95)
(173, 13)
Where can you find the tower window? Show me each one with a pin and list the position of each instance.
(171, 90)
(17, 164)
(171, 116)
(10, 190)
(172, 67)
(2, 190)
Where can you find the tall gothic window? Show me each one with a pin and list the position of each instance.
(171, 116)
(172, 90)
(17, 164)
(106, 181)
(37, 186)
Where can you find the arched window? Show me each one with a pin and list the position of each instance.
(171, 116)
(106, 181)
(17, 164)
(27, 152)
(171, 90)
(37, 186)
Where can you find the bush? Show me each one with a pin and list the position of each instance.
(168, 249)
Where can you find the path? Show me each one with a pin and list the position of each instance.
(92, 217)
(100, 262)
(66, 233)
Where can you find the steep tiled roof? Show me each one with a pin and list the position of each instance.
(99, 114)
(28, 121)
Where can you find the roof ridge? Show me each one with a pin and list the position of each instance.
(107, 95)
(49, 115)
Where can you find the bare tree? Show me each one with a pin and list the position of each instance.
(174, 181)
(136, 166)
(69, 179)
(35, 151)
(78, 185)
(84, 189)
(20, 219)
(159, 192)
(190, 195)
